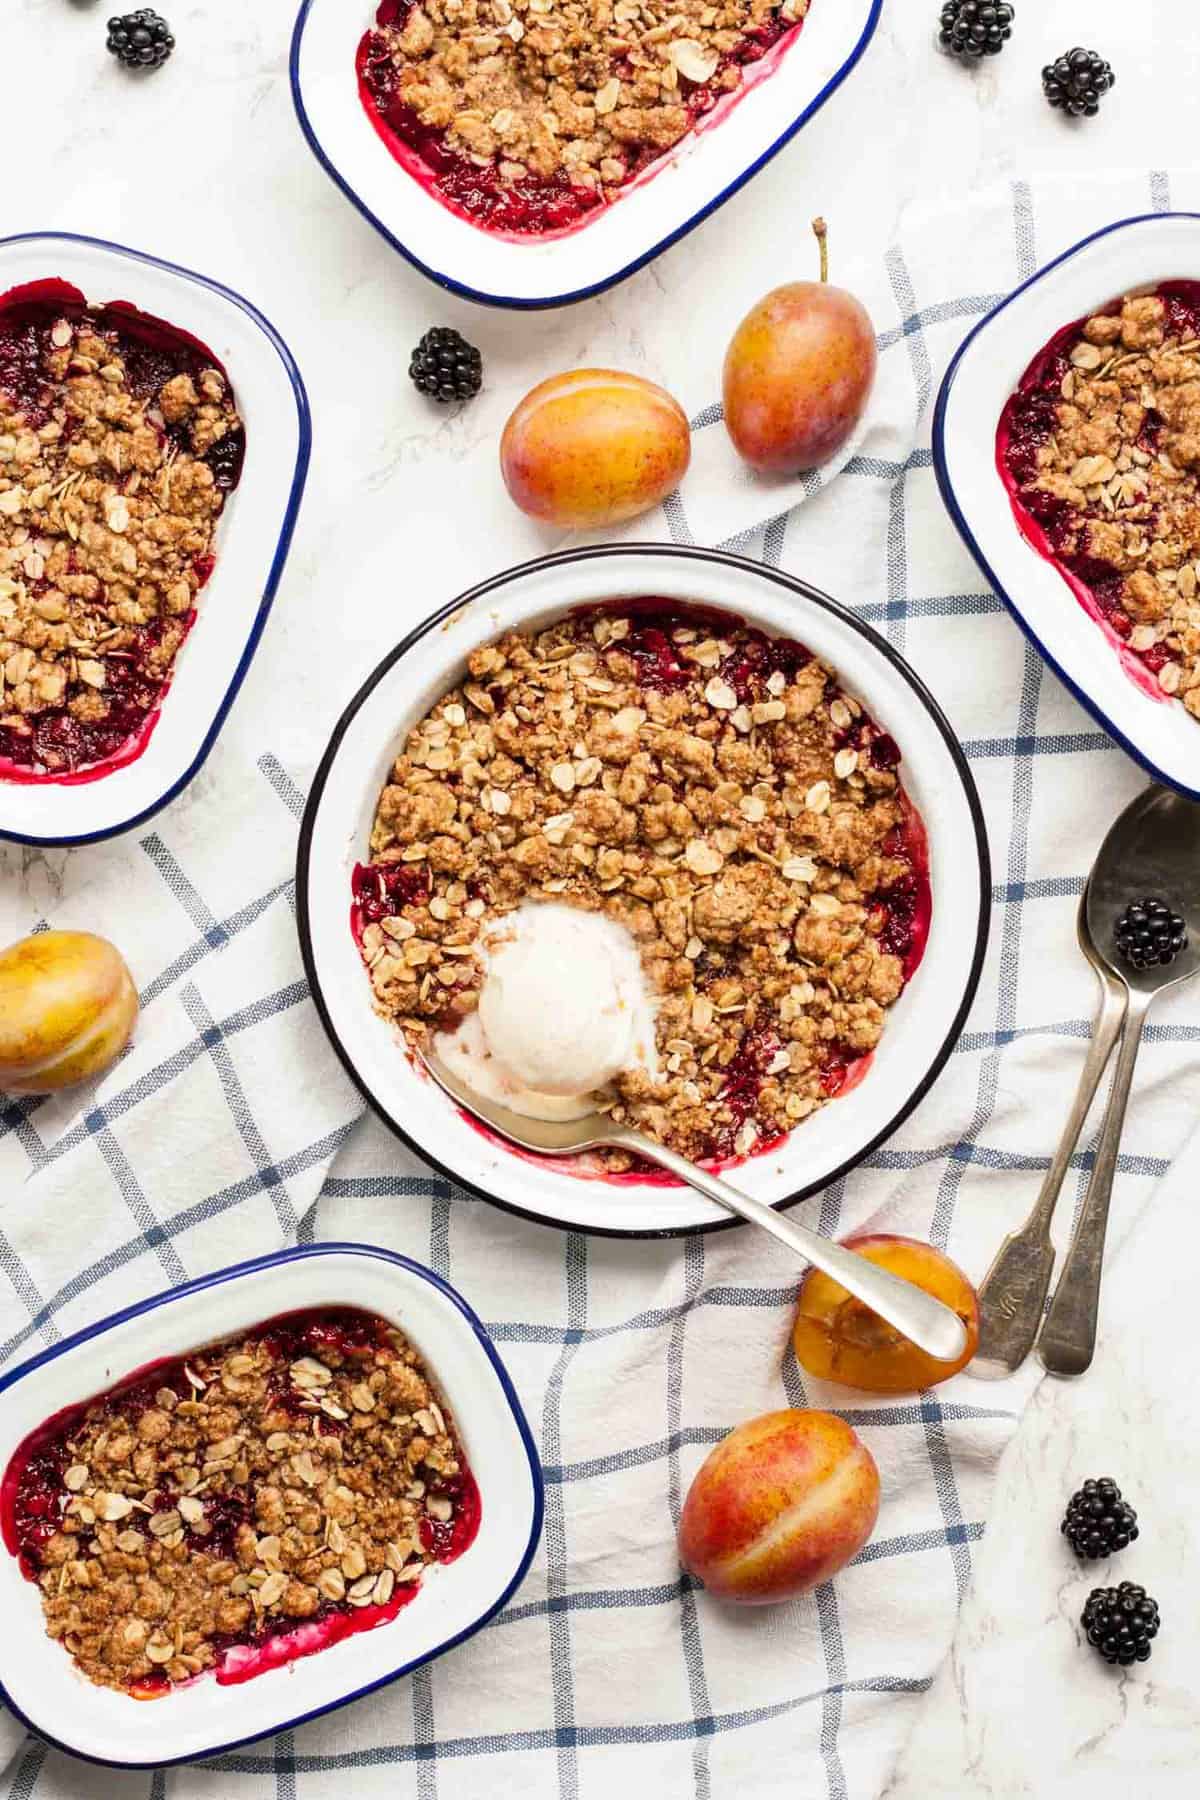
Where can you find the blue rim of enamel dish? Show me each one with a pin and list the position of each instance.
(282, 546)
(685, 553)
(953, 506)
(595, 287)
(276, 1259)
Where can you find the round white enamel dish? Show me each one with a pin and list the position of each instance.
(38, 1678)
(1133, 254)
(780, 95)
(252, 541)
(921, 1028)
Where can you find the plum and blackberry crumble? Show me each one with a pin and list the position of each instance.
(120, 441)
(708, 789)
(242, 1506)
(527, 115)
(1100, 451)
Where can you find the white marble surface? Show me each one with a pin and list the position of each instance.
(204, 164)
(1020, 1707)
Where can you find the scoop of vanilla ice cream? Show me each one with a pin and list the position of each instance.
(563, 1009)
(555, 1006)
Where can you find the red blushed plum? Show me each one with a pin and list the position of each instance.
(798, 374)
(779, 1506)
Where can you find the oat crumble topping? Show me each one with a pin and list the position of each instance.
(301, 1474)
(510, 100)
(1102, 445)
(713, 790)
(118, 445)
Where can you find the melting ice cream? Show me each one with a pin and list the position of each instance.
(563, 1009)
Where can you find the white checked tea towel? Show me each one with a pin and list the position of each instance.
(229, 1130)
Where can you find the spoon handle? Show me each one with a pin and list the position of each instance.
(1068, 1338)
(933, 1327)
(1012, 1297)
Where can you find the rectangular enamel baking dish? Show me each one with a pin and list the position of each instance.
(1132, 254)
(779, 95)
(253, 536)
(37, 1677)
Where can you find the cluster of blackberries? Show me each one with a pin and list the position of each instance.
(1098, 1521)
(1118, 1622)
(975, 27)
(1074, 83)
(140, 40)
(1148, 932)
(445, 366)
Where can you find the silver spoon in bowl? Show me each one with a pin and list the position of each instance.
(933, 1327)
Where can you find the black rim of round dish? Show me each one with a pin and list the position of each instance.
(566, 559)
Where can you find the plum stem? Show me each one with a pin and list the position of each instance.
(821, 233)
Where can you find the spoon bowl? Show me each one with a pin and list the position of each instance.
(1153, 848)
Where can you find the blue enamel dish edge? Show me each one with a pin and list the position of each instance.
(283, 542)
(219, 1278)
(953, 506)
(516, 304)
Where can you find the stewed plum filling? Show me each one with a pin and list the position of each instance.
(713, 789)
(528, 115)
(120, 441)
(242, 1506)
(1100, 450)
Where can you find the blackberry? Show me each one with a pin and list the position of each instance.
(975, 27)
(1098, 1521)
(1148, 932)
(446, 367)
(140, 40)
(1077, 81)
(1120, 1623)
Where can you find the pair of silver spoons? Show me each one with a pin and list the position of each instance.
(1153, 849)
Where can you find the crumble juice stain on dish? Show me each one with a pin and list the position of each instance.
(1045, 521)
(62, 749)
(537, 207)
(33, 1496)
(903, 912)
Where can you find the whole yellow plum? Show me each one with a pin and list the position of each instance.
(67, 1010)
(593, 447)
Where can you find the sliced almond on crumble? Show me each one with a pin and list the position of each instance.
(692, 60)
(702, 857)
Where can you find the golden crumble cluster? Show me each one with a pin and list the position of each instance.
(300, 1472)
(709, 788)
